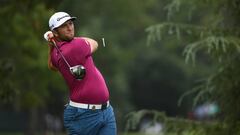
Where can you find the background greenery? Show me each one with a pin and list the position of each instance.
(156, 51)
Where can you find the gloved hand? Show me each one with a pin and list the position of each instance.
(48, 36)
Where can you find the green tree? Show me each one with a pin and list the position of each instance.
(212, 29)
(25, 84)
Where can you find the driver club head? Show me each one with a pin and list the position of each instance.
(78, 71)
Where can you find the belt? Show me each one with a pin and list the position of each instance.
(89, 106)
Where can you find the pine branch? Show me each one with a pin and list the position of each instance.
(155, 32)
(213, 45)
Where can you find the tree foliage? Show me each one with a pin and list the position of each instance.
(212, 28)
(173, 125)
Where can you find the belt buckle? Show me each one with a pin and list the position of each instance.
(93, 108)
(104, 106)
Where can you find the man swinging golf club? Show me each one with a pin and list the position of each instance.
(89, 111)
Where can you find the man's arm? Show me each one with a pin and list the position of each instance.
(49, 37)
(93, 44)
(50, 65)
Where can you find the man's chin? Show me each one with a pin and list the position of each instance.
(69, 39)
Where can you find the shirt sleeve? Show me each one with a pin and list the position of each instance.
(86, 48)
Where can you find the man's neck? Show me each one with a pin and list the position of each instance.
(61, 40)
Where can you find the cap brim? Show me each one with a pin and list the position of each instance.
(73, 18)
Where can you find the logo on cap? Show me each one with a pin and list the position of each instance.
(59, 18)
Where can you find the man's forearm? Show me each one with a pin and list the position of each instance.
(50, 65)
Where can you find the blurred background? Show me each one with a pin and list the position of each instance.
(179, 58)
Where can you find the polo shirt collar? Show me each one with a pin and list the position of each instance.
(61, 43)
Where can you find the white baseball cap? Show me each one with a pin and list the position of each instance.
(58, 19)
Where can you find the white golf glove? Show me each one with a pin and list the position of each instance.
(48, 36)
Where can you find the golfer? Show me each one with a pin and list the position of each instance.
(88, 111)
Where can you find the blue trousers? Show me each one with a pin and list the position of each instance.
(79, 121)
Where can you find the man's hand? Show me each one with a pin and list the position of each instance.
(48, 36)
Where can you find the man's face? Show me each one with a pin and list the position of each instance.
(66, 31)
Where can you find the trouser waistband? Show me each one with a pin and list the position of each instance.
(90, 106)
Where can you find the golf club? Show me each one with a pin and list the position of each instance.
(77, 71)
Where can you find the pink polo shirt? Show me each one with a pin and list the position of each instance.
(92, 89)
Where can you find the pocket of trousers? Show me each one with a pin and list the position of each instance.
(69, 114)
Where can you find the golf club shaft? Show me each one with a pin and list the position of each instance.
(60, 53)
(103, 42)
